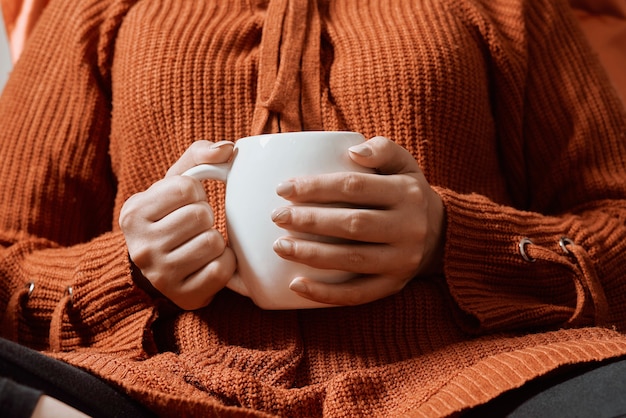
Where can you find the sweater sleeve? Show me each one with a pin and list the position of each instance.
(556, 255)
(65, 276)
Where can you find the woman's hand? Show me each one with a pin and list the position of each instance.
(392, 230)
(170, 235)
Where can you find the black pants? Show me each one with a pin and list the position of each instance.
(595, 390)
(26, 374)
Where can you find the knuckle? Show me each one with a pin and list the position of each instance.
(186, 189)
(129, 214)
(196, 148)
(415, 191)
(355, 258)
(125, 220)
(165, 276)
(140, 257)
(198, 152)
(306, 219)
(214, 240)
(220, 273)
(203, 215)
(414, 260)
(356, 223)
(352, 184)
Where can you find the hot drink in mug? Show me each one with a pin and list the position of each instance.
(260, 163)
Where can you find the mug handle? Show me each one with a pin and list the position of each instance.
(218, 172)
(209, 172)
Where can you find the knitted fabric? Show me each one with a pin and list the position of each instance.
(501, 103)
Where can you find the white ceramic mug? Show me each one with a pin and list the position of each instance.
(260, 163)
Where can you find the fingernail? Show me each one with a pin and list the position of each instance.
(281, 215)
(297, 285)
(361, 150)
(221, 144)
(284, 246)
(285, 189)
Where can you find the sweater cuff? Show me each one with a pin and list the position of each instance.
(105, 281)
(88, 295)
(497, 279)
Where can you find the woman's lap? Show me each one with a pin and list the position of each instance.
(597, 390)
(75, 387)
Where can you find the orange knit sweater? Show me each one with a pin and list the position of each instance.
(501, 103)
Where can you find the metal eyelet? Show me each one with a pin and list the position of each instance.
(522, 249)
(564, 242)
(31, 287)
(70, 292)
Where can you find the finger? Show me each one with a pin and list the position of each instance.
(365, 225)
(199, 288)
(166, 270)
(356, 189)
(182, 224)
(202, 152)
(355, 258)
(356, 291)
(196, 252)
(168, 195)
(385, 156)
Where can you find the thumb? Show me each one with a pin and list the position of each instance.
(202, 152)
(385, 156)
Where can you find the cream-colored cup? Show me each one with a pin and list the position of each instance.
(260, 163)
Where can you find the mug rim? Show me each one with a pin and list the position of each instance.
(298, 133)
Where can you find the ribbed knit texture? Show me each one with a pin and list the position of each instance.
(501, 103)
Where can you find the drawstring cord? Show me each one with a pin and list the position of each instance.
(590, 296)
(311, 107)
(589, 280)
(11, 318)
(56, 323)
(288, 95)
(10, 321)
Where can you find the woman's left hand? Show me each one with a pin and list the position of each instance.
(391, 231)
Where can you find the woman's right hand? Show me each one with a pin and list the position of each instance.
(170, 234)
